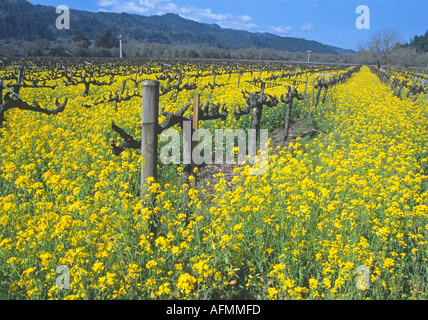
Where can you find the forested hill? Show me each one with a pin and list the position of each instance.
(420, 43)
(21, 20)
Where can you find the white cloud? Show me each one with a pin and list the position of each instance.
(284, 31)
(308, 27)
(105, 3)
(159, 7)
(116, 6)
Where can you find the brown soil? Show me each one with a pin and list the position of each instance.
(206, 172)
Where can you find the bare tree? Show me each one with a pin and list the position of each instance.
(7, 50)
(379, 46)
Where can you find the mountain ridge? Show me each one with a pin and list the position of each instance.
(20, 20)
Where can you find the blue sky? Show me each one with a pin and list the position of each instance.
(327, 21)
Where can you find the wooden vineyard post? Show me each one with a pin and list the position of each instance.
(195, 126)
(239, 78)
(306, 87)
(21, 73)
(257, 110)
(192, 165)
(313, 93)
(149, 134)
(262, 92)
(288, 113)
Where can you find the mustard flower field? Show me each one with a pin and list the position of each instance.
(351, 195)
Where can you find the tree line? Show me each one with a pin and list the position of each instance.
(419, 43)
(385, 47)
